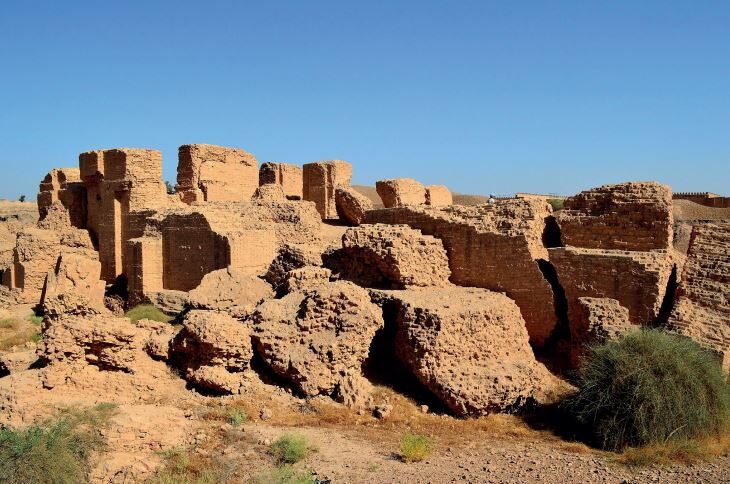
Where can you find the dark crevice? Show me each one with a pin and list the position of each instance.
(267, 375)
(668, 301)
(383, 367)
(551, 236)
(555, 353)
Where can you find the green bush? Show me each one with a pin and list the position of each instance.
(57, 451)
(649, 387)
(147, 311)
(414, 448)
(556, 203)
(237, 416)
(289, 449)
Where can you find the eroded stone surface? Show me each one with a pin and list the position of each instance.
(493, 246)
(401, 192)
(315, 337)
(628, 216)
(351, 205)
(320, 179)
(207, 173)
(469, 347)
(391, 257)
(702, 309)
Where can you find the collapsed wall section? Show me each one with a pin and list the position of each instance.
(207, 173)
(320, 180)
(493, 246)
(63, 185)
(289, 177)
(702, 309)
(123, 187)
(633, 216)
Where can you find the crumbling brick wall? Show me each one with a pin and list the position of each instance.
(320, 180)
(493, 246)
(627, 216)
(401, 192)
(207, 173)
(123, 186)
(618, 245)
(63, 185)
(290, 177)
(702, 309)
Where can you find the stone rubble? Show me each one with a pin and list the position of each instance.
(288, 273)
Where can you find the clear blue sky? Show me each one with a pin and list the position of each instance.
(481, 96)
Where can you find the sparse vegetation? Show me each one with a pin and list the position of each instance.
(650, 388)
(687, 451)
(35, 319)
(237, 416)
(180, 466)
(556, 203)
(285, 474)
(56, 451)
(17, 331)
(21, 198)
(289, 449)
(414, 447)
(147, 311)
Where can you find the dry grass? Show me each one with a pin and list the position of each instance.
(58, 450)
(17, 331)
(684, 452)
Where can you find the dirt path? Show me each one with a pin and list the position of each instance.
(368, 456)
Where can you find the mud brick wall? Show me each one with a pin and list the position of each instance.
(702, 309)
(215, 173)
(628, 216)
(637, 280)
(63, 185)
(119, 183)
(320, 180)
(438, 195)
(289, 177)
(401, 192)
(145, 266)
(252, 251)
(493, 247)
(190, 250)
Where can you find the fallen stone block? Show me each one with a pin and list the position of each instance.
(401, 192)
(438, 195)
(390, 257)
(470, 348)
(351, 205)
(313, 338)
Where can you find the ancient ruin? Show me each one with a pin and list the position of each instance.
(290, 274)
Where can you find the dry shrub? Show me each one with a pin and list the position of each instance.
(650, 387)
(180, 466)
(57, 450)
(683, 452)
(289, 449)
(414, 448)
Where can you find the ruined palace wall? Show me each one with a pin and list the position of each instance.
(633, 216)
(320, 180)
(637, 280)
(490, 260)
(207, 173)
(702, 309)
(289, 177)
